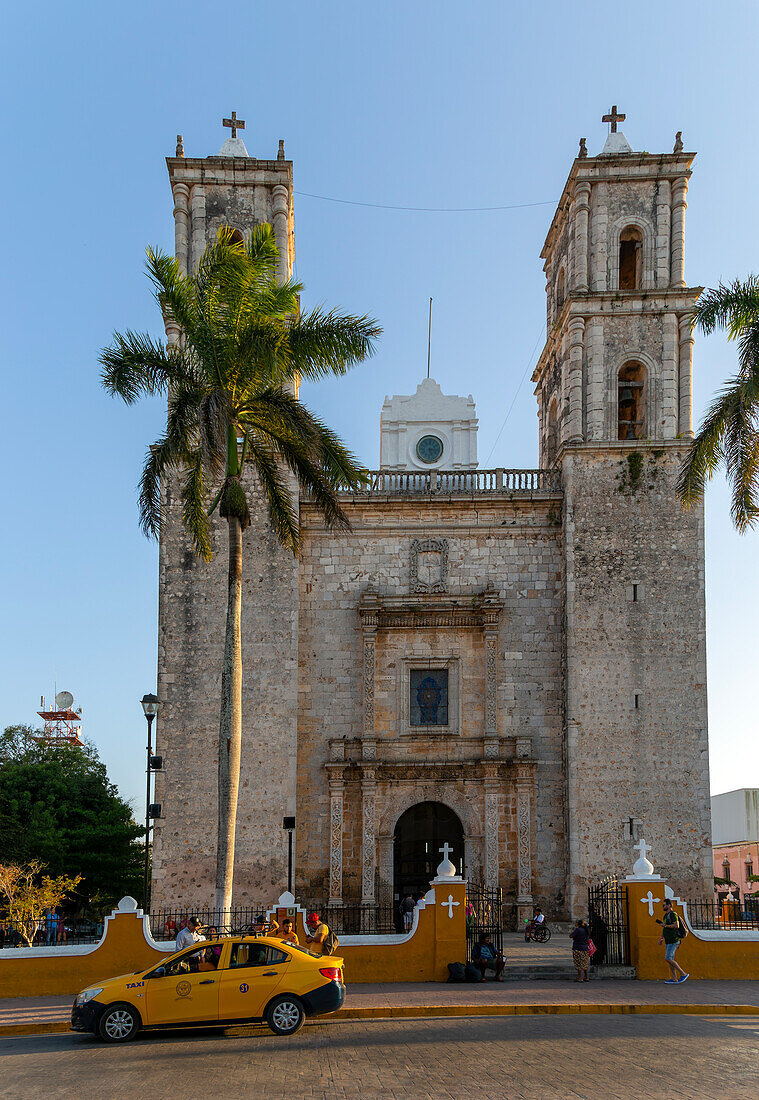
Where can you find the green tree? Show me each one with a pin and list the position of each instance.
(729, 434)
(231, 384)
(58, 807)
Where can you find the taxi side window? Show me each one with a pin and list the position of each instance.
(186, 964)
(255, 954)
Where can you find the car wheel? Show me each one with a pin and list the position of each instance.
(285, 1014)
(119, 1023)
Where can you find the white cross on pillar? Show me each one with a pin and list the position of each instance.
(450, 903)
(643, 848)
(650, 901)
(446, 850)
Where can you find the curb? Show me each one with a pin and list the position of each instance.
(431, 1012)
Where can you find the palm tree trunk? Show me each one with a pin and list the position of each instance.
(230, 724)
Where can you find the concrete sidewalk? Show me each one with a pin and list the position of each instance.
(41, 1015)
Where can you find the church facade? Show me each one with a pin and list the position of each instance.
(511, 662)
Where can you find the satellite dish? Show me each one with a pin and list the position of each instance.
(63, 700)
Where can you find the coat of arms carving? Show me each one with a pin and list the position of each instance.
(429, 565)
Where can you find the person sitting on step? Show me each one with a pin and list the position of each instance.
(486, 957)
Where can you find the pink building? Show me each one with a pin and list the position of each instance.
(735, 840)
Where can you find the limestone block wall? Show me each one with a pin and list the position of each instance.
(636, 666)
(192, 616)
(516, 547)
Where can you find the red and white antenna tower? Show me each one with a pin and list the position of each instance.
(63, 725)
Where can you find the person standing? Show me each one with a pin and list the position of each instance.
(581, 951)
(288, 934)
(317, 933)
(407, 912)
(671, 938)
(189, 935)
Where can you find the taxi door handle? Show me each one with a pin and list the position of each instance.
(270, 973)
(207, 981)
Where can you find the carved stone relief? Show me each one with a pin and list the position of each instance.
(491, 679)
(368, 686)
(523, 843)
(369, 838)
(491, 839)
(335, 842)
(429, 565)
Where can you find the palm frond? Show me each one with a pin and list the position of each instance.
(741, 452)
(321, 344)
(136, 366)
(282, 511)
(732, 307)
(194, 507)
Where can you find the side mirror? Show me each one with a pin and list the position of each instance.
(159, 973)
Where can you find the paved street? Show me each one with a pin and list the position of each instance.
(543, 1058)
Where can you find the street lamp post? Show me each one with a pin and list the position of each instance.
(150, 709)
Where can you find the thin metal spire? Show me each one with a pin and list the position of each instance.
(429, 339)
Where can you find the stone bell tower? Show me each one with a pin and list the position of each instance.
(614, 388)
(231, 188)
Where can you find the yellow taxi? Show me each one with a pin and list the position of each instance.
(232, 980)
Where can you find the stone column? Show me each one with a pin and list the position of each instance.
(280, 211)
(667, 426)
(679, 204)
(198, 226)
(524, 843)
(182, 226)
(596, 383)
(336, 793)
(663, 224)
(492, 876)
(368, 836)
(576, 333)
(581, 213)
(685, 419)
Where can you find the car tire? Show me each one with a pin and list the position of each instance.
(119, 1023)
(285, 1014)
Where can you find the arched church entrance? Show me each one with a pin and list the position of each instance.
(420, 833)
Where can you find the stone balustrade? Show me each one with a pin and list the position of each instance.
(461, 482)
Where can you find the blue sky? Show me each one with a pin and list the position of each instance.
(426, 105)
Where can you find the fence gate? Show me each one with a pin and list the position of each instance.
(607, 912)
(483, 914)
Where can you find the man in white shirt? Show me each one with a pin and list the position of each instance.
(189, 935)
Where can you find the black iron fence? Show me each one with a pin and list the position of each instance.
(355, 920)
(709, 913)
(44, 933)
(166, 924)
(344, 920)
(483, 916)
(608, 922)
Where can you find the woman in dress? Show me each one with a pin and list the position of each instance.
(581, 950)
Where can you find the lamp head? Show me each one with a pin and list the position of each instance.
(150, 705)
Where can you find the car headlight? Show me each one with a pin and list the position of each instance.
(87, 995)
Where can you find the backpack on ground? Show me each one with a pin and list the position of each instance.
(330, 943)
(456, 972)
(473, 973)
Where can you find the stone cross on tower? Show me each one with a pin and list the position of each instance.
(446, 850)
(238, 124)
(614, 118)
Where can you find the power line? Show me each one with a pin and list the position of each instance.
(516, 395)
(425, 209)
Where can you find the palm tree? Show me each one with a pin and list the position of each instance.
(729, 434)
(231, 383)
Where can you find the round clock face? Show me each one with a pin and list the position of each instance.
(429, 448)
